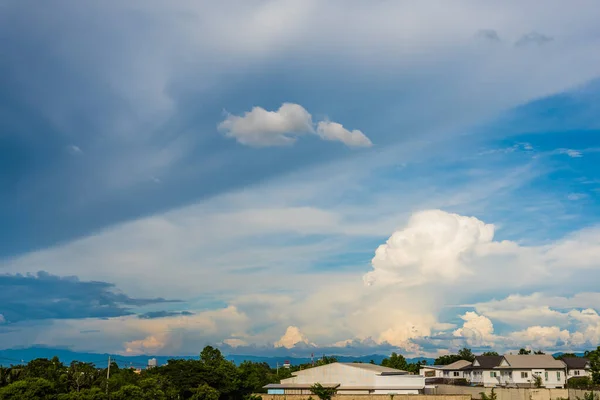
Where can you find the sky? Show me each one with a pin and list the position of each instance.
(296, 176)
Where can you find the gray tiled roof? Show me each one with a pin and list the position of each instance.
(533, 361)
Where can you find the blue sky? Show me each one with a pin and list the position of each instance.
(275, 177)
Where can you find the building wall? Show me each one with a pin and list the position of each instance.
(578, 372)
(454, 374)
(430, 372)
(504, 393)
(349, 376)
(375, 397)
(345, 375)
(413, 383)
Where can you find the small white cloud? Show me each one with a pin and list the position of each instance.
(570, 152)
(262, 128)
(336, 132)
(74, 150)
(150, 344)
(291, 337)
(235, 342)
(576, 196)
(2, 319)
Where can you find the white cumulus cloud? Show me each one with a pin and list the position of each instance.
(435, 243)
(336, 132)
(478, 330)
(262, 128)
(291, 338)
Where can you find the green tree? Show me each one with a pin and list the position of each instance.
(205, 392)
(490, 353)
(128, 392)
(466, 354)
(323, 393)
(29, 389)
(594, 357)
(537, 381)
(396, 361)
(524, 352)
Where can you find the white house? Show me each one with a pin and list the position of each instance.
(577, 366)
(482, 371)
(431, 371)
(456, 370)
(520, 371)
(351, 378)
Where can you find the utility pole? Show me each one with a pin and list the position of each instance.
(277, 368)
(107, 375)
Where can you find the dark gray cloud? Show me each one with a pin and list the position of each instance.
(163, 314)
(46, 296)
(488, 34)
(533, 38)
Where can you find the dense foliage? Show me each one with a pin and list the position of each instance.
(463, 354)
(211, 377)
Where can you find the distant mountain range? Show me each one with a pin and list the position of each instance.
(17, 356)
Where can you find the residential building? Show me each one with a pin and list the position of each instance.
(482, 371)
(431, 371)
(456, 370)
(351, 378)
(521, 370)
(577, 366)
(152, 363)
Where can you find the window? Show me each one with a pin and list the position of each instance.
(456, 373)
(493, 374)
(524, 375)
(576, 372)
(546, 375)
(558, 376)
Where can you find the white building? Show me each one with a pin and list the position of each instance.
(577, 367)
(456, 370)
(482, 371)
(520, 371)
(351, 378)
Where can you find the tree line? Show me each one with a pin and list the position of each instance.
(210, 377)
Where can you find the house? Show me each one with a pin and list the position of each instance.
(482, 371)
(577, 366)
(351, 378)
(431, 371)
(456, 370)
(521, 370)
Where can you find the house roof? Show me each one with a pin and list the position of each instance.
(486, 362)
(460, 364)
(376, 369)
(379, 369)
(532, 361)
(576, 362)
